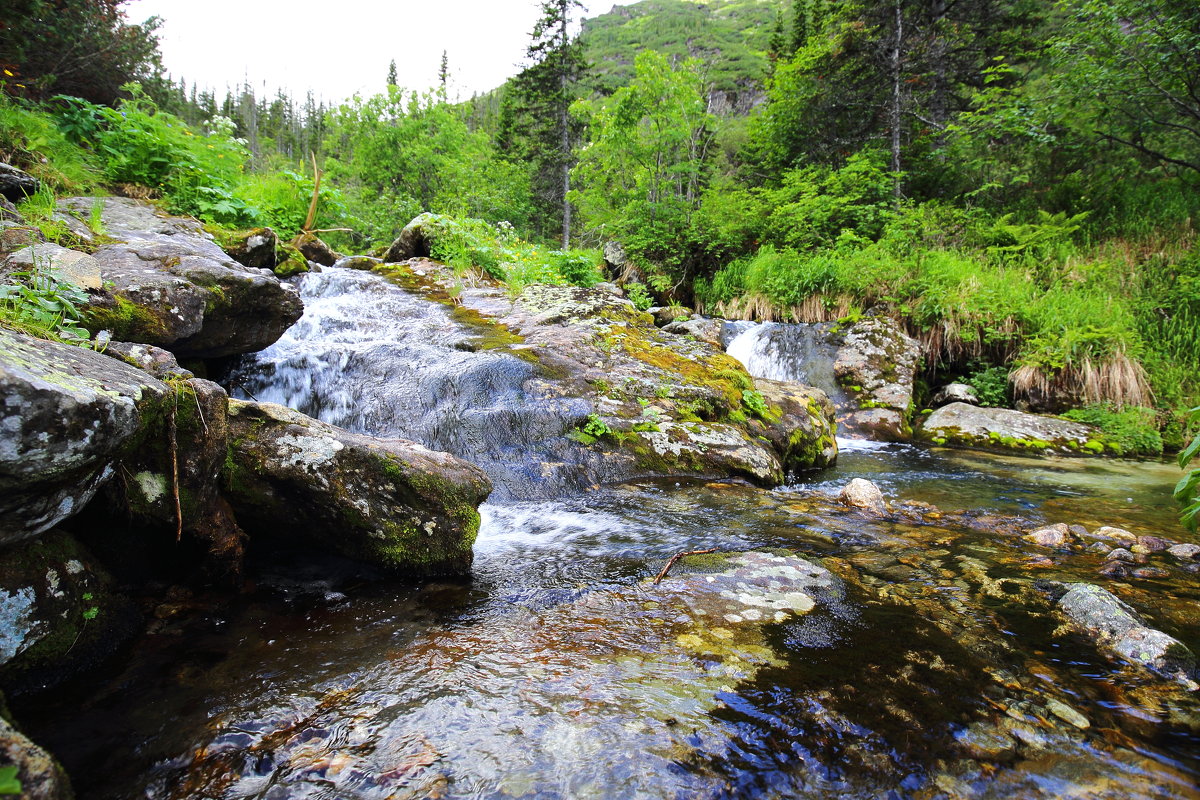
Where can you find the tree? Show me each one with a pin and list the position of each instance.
(392, 78)
(85, 49)
(641, 179)
(1131, 71)
(537, 126)
(443, 74)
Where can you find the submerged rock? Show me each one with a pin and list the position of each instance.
(387, 502)
(68, 414)
(1185, 552)
(1119, 629)
(962, 425)
(1058, 535)
(168, 283)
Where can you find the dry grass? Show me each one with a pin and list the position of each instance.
(758, 307)
(1117, 379)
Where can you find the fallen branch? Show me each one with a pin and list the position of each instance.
(175, 470)
(678, 556)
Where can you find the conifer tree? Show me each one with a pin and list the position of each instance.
(392, 78)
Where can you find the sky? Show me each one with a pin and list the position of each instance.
(339, 47)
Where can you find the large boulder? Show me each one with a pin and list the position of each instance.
(16, 184)
(962, 425)
(1118, 628)
(68, 414)
(955, 393)
(71, 266)
(876, 364)
(255, 247)
(805, 435)
(168, 283)
(413, 241)
(388, 502)
(314, 249)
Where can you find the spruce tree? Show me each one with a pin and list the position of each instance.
(392, 78)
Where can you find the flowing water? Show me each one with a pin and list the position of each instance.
(922, 662)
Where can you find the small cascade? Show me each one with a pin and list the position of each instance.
(372, 358)
(801, 353)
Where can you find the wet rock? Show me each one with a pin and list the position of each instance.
(357, 262)
(665, 315)
(1058, 535)
(413, 241)
(1099, 548)
(315, 250)
(58, 614)
(40, 776)
(252, 248)
(955, 393)
(703, 328)
(862, 494)
(962, 425)
(388, 502)
(1185, 552)
(67, 415)
(1067, 714)
(1151, 573)
(805, 435)
(1078, 531)
(1121, 554)
(167, 283)
(1151, 544)
(1119, 629)
(1116, 570)
(1110, 533)
(985, 742)
(876, 363)
(71, 266)
(16, 184)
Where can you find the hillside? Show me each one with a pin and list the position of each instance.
(730, 36)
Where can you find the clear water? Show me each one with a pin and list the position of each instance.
(558, 670)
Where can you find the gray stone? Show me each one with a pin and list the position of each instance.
(665, 315)
(1109, 533)
(862, 494)
(15, 236)
(16, 184)
(413, 241)
(357, 262)
(256, 247)
(1185, 552)
(167, 283)
(614, 257)
(71, 266)
(155, 360)
(963, 425)
(805, 436)
(955, 393)
(67, 415)
(875, 364)
(1121, 554)
(1117, 627)
(704, 329)
(388, 502)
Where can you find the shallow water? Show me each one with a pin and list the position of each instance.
(923, 664)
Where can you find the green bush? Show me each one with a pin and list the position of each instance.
(990, 385)
(1127, 431)
(39, 303)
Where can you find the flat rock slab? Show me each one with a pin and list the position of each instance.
(962, 425)
(67, 414)
(71, 266)
(169, 284)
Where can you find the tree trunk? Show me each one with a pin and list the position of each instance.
(896, 102)
(564, 123)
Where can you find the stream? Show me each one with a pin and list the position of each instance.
(928, 667)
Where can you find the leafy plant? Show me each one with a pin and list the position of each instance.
(1187, 491)
(41, 304)
(990, 385)
(637, 294)
(754, 402)
(9, 784)
(1127, 431)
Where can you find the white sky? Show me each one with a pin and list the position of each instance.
(339, 47)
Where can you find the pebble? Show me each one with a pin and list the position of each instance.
(1067, 714)
(1151, 572)
(1185, 552)
(1051, 536)
(1121, 554)
(1109, 532)
(1114, 569)
(1153, 544)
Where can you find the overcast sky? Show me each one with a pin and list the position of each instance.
(339, 47)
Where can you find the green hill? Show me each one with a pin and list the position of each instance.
(730, 36)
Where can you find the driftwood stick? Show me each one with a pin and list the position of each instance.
(678, 556)
(171, 430)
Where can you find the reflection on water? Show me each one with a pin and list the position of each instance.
(925, 666)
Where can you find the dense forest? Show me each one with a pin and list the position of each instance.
(1017, 181)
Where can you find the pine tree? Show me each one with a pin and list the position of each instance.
(443, 75)
(392, 78)
(536, 125)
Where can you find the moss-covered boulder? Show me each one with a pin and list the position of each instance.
(255, 247)
(804, 434)
(387, 502)
(313, 248)
(963, 425)
(67, 415)
(58, 613)
(168, 283)
(413, 241)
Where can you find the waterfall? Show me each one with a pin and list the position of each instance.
(372, 358)
(790, 353)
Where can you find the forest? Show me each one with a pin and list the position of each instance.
(1016, 181)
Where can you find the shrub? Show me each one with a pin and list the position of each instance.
(1128, 431)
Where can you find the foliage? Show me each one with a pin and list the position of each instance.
(990, 385)
(466, 243)
(1128, 431)
(86, 49)
(40, 303)
(1187, 491)
(30, 138)
(637, 294)
(9, 784)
